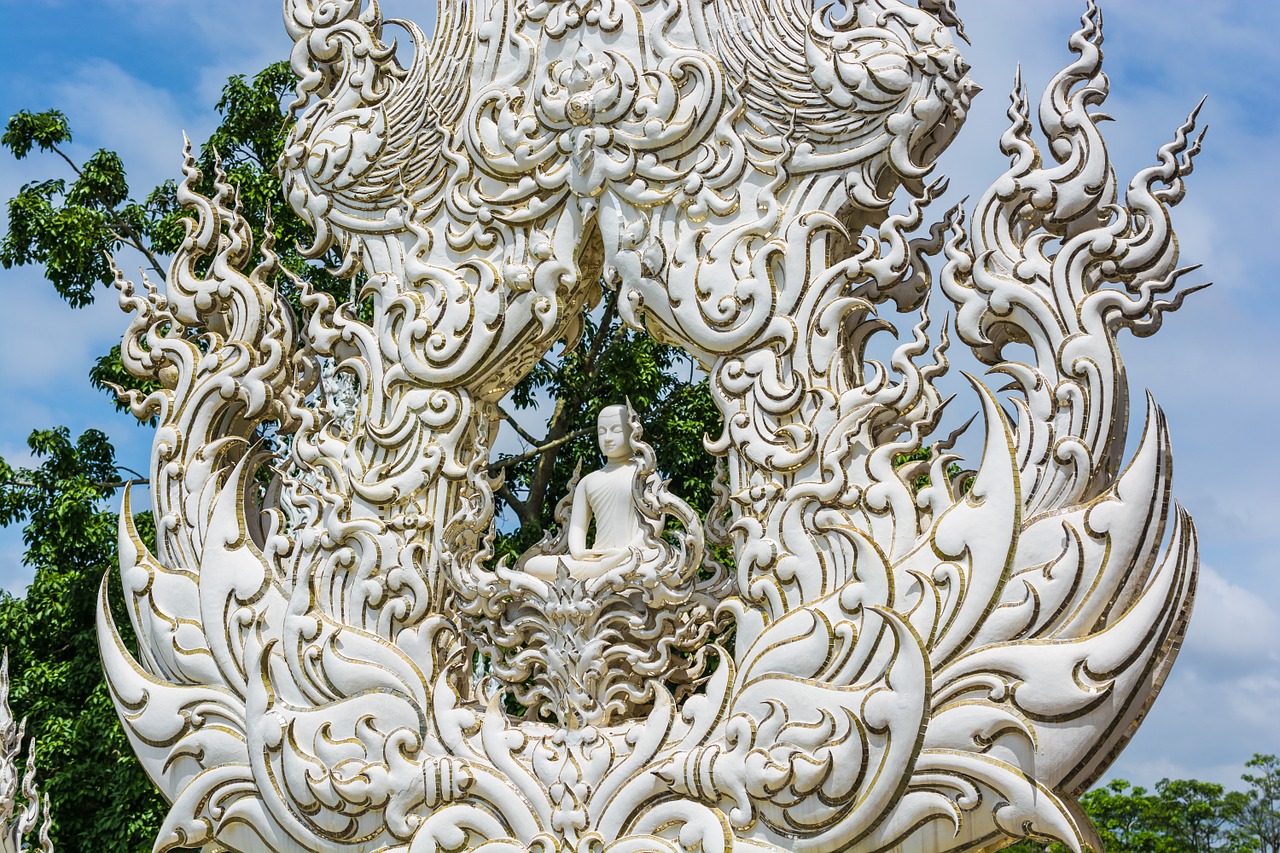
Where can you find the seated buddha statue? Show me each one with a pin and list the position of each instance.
(624, 539)
(589, 620)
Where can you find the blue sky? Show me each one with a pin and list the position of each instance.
(131, 76)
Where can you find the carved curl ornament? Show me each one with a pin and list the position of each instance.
(918, 665)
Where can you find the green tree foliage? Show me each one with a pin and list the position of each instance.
(1257, 814)
(1126, 817)
(81, 751)
(71, 226)
(1184, 815)
(1197, 815)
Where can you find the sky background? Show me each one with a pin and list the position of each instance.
(131, 76)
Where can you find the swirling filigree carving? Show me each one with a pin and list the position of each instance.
(926, 656)
(596, 649)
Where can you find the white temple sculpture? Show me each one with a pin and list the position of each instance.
(20, 800)
(917, 665)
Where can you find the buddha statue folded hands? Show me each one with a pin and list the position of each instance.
(597, 619)
(628, 504)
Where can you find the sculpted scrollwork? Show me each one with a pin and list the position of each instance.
(933, 656)
(587, 634)
(20, 800)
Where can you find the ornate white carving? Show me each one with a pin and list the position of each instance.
(18, 819)
(924, 665)
(581, 635)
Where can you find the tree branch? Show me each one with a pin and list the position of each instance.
(547, 454)
(120, 484)
(558, 430)
(498, 465)
(519, 430)
(111, 485)
(134, 239)
(610, 309)
(615, 340)
(521, 508)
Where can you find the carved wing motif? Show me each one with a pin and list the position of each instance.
(369, 149)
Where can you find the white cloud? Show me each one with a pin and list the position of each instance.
(248, 36)
(1233, 630)
(80, 336)
(1220, 704)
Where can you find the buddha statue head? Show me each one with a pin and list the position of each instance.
(613, 432)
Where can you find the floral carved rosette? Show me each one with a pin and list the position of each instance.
(936, 656)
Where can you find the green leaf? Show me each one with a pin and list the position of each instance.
(44, 130)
